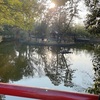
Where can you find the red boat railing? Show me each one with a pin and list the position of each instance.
(43, 94)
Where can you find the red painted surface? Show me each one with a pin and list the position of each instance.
(44, 94)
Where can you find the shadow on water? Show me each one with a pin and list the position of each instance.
(18, 61)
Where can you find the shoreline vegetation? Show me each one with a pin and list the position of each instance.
(51, 41)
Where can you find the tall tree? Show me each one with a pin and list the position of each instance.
(93, 17)
(61, 17)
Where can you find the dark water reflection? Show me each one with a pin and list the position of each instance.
(18, 62)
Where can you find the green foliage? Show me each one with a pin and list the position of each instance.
(7, 30)
(21, 13)
(40, 29)
(93, 18)
(80, 30)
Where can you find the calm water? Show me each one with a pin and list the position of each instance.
(77, 70)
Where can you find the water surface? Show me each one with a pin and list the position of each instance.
(62, 68)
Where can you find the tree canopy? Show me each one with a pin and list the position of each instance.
(21, 13)
(60, 18)
(93, 17)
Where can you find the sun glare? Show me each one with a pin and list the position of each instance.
(52, 5)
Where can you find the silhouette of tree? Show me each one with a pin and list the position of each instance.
(57, 68)
(14, 63)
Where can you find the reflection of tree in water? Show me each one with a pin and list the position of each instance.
(96, 63)
(13, 62)
(5, 54)
(20, 61)
(2, 97)
(57, 67)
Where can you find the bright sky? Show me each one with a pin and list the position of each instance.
(50, 4)
(82, 13)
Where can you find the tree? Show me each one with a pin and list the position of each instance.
(93, 17)
(60, 18)
(20, 13)
(40, 29)
(80, 30)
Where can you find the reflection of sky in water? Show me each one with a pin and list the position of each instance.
(81, 62)
(84, 73)
(49, 55)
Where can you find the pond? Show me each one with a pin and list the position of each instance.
(74, 68)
